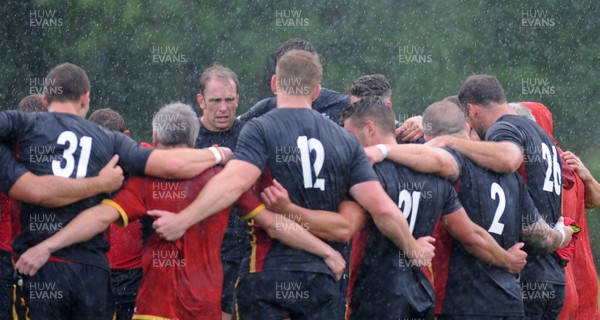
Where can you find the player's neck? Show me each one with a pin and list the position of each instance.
(499, 111)
(390, 139)
(289, 101)
(163, 146)
(65, 107)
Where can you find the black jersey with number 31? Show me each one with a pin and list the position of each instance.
(315, 160)
(68, 146)
(542, 173)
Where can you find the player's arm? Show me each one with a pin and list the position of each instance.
(544, 238)
(592, 187)
(328, 225)
(294, 235)
(390, 221)
(184, 163)
(219, 193)
(478, 242)
(502, 157)
(83, 227)
(53, 191)
(418, 157)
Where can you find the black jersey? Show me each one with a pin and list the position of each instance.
(382, 274)
(329, 103)
(315, 160)
(236, 239)
(68, 146)
(10, 170)
(500, 204)
(542, 173)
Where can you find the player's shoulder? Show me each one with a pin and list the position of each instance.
(207, 174)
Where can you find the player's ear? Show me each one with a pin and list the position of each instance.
(274, 84)
(200, 100)
(315, 93)
(45, 101)
(154, 138)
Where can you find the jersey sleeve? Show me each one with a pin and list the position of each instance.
(132, 156)
(129, 201)
(10, 170)
(260, 108)
(251, 146)
(250, 204)
(460, 159)
(505, 131)
(451, 202)
(12, 123)
(361, 169)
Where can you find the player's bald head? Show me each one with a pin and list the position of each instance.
(443, 118)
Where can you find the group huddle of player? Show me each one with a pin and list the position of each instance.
(326, 208)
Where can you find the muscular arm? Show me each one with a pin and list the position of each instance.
(478, 242)
(420, 158)
(219, 193)
(389, 219)
(52, 191)
(294, 235)
(328, 225)
(182, 163)
(501, 157)
(82, 228)
(541, 236)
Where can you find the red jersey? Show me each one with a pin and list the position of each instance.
(182, 279)
(125, 246)
(6, 237)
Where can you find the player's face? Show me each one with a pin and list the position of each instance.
(474, 118)
(357, 132)
(218, 104)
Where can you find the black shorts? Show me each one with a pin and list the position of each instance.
(542, 300)
(65, 291)
(230, 273)
(279, 294)
(125, 284)
(6, 285)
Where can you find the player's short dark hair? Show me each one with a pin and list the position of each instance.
(371, 85)
(298, 72)
(217, 71)
(481, 90)
(443, 118)
(32, 103)
(294, 44)
(370, 108)
(66, 82)
(109, 119)
(453, 99)
(176, 124)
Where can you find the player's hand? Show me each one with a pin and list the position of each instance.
(568, 232)
(517, 258)
(167, 225)
(574, 162)
(226, 153)
(424, 253)
(440, 141)
(276, 198)
(374, 154)
(33, 260)
(411, 129)
(336, 263)
(111, 175)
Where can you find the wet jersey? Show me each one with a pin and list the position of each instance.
(542, 173)
(315, 160)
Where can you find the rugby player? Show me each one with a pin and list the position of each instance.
(32, 103)
(73, 147)
(514, 143)
(315, 182)
(182, 279)
(506, 211)
(218, 99)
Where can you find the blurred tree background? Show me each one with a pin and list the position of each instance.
(141, 55)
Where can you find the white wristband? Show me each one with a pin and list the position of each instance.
(560, 227)
(217, 154)
(383, 149)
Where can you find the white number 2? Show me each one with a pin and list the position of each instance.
(86, 147)
(409, 204)
(306, 146)
(552, 182)
(496, 191)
